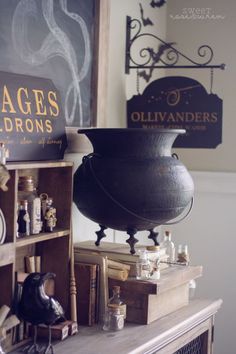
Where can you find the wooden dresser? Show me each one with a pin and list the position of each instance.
(188, 330)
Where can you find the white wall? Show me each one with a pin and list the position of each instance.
(209, 233)
(189, 35)
(121, 86)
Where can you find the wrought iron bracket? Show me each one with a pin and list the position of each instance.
(166, 56)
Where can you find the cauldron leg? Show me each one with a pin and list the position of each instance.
(131, 240)
(153, 236)
(100, 234)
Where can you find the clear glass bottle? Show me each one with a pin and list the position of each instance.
(116, 300)
(4, 153)
(169, 245)
(114, 319)
(153, 253)
(23, 219)
(27, 191)
(143, 267)
(50, 216)
(183, 255)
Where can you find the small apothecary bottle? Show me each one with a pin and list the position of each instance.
(114, 319)
(116, 300)
(153, 253)
(143, 266)
(169, 246)
(50, 219)
(23, 219)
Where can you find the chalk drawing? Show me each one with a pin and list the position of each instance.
(56, 43)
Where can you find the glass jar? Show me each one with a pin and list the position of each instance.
(183, 255)
(113, 319)
(153, 253)
(27, 191)
(143, 266)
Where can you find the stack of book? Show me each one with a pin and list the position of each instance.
(117, 252)
(94, 265)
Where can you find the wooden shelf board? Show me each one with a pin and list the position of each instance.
(27, 240)
(7, 253)
(37, 164)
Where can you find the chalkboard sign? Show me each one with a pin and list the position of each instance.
(52, 39)
(178, 102)
(32, 124)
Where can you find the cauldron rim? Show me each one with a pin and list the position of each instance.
(131, 130)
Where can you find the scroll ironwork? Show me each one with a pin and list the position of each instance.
(166, 56)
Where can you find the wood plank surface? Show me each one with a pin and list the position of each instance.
(37, 164)
(7, 254)
(144, 339)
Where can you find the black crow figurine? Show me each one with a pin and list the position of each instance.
(36, 307)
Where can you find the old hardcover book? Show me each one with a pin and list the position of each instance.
(115, 251)
(30, 264)
(85, 277)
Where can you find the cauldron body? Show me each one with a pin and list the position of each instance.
(131, 180)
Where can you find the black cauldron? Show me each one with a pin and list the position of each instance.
(131, 181)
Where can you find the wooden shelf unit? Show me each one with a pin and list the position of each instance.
(56, 179)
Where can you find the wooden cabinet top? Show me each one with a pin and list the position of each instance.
(142, 339)
(37, 164)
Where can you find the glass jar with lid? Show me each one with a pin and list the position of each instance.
(153, 253)
(143, 266)
(27, 191)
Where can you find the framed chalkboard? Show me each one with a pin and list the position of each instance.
(64, 41)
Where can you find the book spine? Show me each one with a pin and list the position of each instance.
(30, 264)
(93, 285)
(37, 264)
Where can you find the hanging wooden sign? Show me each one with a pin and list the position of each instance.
(178, 102)
(32, 124)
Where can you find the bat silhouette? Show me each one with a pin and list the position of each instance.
(158, 3)
(156, 56)
(146, 21)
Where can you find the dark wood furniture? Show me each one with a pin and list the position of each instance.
(55, 179)
(187, 330)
